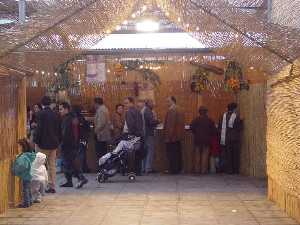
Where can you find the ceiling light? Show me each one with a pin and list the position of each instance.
(133, 15)
(125, 22)
(147, 26)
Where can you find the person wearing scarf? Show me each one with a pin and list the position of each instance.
(230, 129)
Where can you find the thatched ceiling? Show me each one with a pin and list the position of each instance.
(237, 29)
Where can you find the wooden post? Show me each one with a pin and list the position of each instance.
(199, 101)
(22, 11)
(270, 2)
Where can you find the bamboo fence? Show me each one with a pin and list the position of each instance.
(253, 146)
(12, 127)
(283, 129)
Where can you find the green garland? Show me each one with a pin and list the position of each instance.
(63, 80)
(147, 74)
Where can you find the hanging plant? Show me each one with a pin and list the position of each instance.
(199, 80)
(119, 69)
(234, 79)
(64, 80)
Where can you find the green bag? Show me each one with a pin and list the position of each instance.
(22, 165)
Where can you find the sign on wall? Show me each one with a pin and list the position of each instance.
(95, 69)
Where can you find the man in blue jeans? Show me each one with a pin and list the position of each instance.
(149, 124)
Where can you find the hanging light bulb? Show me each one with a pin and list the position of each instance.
(125, 22)
(144, 8)
(118, 27)
(197, 28)
(179, 20)
(133, 15)
(167, 14)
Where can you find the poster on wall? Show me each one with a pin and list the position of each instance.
(95, 69)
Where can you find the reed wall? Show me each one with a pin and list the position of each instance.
(12, 127)
(283, 141)
(253, 146)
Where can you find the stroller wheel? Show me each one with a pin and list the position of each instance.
(101, 178)
(131, 177)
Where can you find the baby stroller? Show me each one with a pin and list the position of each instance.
(121, 159)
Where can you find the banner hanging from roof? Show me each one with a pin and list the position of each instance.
(95, 69)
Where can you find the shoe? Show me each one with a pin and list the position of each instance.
(50, 191)
(23, 205)
(68, 184)
(81, 183)
(37, 201)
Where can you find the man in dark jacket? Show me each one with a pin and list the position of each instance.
(203, 129)
(134, 126)
(84, 134)
(149, 124)
(133, 118)
(70, 146)
(47, 137)
(230, 127)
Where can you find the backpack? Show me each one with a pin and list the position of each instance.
(22, 165)
(84, 129)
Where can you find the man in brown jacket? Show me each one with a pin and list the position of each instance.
(174, 128)
(102, 127)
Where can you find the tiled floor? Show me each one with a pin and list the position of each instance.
(157, 200)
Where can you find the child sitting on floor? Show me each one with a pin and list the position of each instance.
(22, 169)
(39, 177)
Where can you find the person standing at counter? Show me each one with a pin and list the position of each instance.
(149, 124)
(203, 129)
(102, 128)
(134, 126)
(173, 128)
(230, 127)
(118, 120)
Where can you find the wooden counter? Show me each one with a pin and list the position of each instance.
(161, 163)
